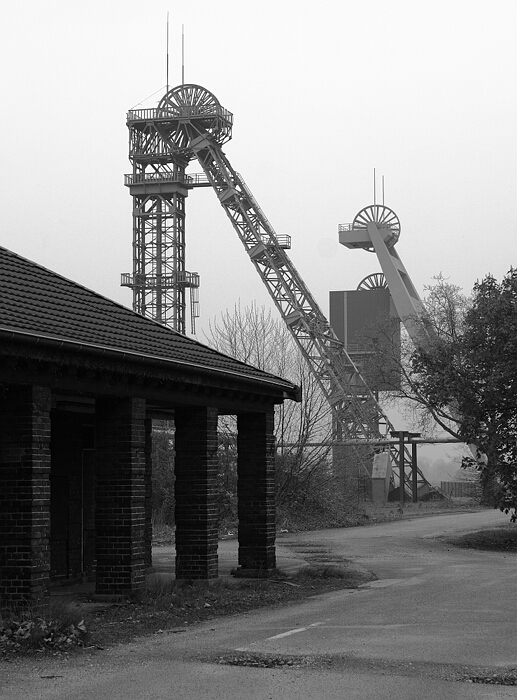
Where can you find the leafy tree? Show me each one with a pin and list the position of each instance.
(393, 360)
(474, 371)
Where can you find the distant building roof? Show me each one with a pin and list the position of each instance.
(36, 303)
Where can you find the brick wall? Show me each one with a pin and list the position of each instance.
(196, 493)
(24, 495)
(120, 495)
(256, 491)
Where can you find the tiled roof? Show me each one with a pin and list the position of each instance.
(37, 301)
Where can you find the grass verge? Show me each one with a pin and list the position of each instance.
(499, 539)
(171, 606)
(168, 607)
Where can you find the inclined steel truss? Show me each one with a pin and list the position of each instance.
(190, 123)
(353, 404)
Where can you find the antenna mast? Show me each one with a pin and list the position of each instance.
(183, 54)
(167, 70)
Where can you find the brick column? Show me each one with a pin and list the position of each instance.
(256, 492)
(196, 493)
(120, 495)
(25, 496)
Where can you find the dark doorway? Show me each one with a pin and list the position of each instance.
(72, 489)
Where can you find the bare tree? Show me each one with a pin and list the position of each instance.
(446, 308)
(391, 362)
(252, 335)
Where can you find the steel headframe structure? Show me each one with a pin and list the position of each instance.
(376, 228)
(188, 124)
(159, 187)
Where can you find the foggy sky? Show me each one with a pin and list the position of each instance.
(321, 94)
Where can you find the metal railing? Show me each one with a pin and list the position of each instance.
(461, 489)
(351, 227)
(180, 112)
(358, 349)
(188, 279)
(198, 179)
(182, 278)
(282, 239)
(151, 178)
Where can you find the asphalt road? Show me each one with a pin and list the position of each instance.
(436, 616)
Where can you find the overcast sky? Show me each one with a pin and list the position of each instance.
(321, 92)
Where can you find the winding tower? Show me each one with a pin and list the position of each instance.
(159, 185)
(376, 228)
(190, 123)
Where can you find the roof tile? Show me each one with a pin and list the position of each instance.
(38, 301)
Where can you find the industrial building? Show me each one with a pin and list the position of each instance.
(81, 379)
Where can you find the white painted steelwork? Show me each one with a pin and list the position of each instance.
(159, 187)
(376, 228)
(190, 123)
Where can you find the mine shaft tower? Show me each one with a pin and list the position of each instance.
(190, 124)
(376, 228)
(159, 185)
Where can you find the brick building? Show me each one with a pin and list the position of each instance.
(81, 379)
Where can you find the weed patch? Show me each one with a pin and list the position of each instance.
(169, 606)
(21, 631)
